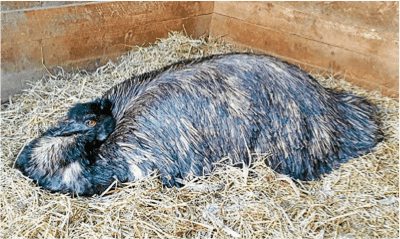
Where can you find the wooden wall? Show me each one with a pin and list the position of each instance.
(359, 40)
(85, 34)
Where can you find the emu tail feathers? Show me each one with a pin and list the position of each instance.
(361, 129)
(345, 126)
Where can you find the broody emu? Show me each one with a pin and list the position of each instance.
(181, 119)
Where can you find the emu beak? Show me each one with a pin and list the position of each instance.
(71, 127)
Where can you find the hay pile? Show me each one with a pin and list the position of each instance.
(359, 200)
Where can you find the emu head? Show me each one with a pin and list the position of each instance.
(60, 158)
(92, 122)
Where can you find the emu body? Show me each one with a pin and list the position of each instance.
(181, 119)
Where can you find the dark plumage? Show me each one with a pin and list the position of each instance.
(181, 119)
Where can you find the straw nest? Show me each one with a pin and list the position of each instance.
(359, 200)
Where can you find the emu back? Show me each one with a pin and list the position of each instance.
(183, 118)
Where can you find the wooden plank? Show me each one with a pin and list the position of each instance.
(366, 71)
(102, 24)
(383, 16)
(71, 48)
(83, 34)
(291, 21)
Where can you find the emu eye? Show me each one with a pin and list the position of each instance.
(91, 122)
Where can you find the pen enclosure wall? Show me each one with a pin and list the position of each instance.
(358, 40)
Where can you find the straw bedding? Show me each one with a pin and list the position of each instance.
(359, 200)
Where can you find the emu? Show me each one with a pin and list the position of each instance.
(181, 119)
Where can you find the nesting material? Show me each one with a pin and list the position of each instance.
(359, 200)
